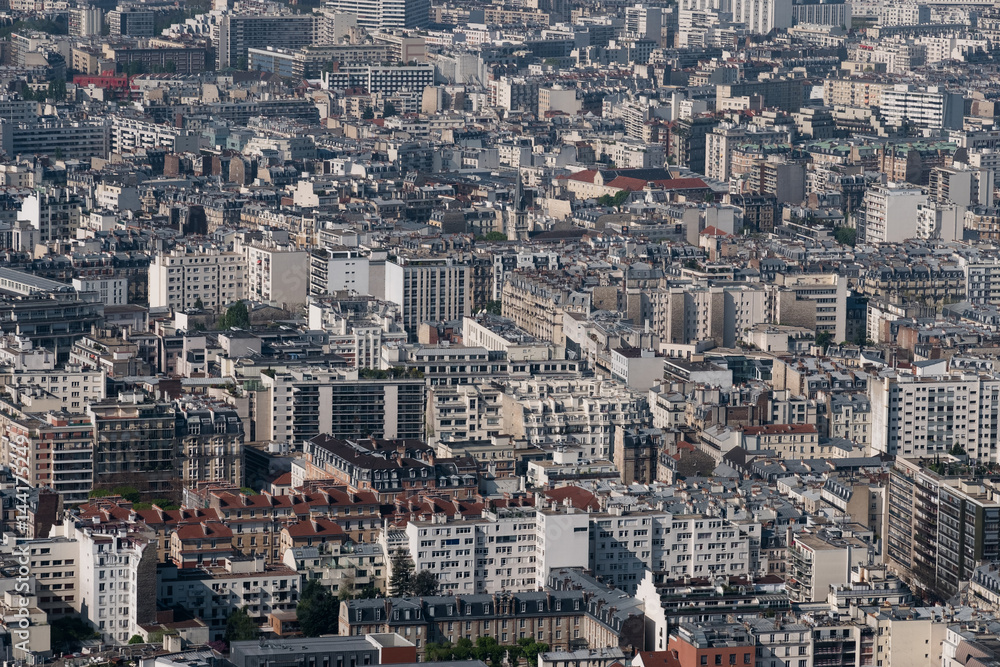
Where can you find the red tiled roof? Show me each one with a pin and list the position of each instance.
(586, 176)
(204, 530)
(627, 183)
(316, 528)
(581, 499)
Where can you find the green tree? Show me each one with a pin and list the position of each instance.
(129, 493)
(317, 610)
(240, 627)
(401, 581)
(389, 109)
(846, 235)
(237, 317)
(492, 236)
(367, 114)
(199, 304)
(494, 307)
(57, 89)
(823, 339)
(136, 639)
(135, 67)
(425, 583)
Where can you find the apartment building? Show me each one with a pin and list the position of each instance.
(358, 327)
(917, 415)
(134, 444)
(187, 278)
(933, 108)
(890, 214)
(55, 563)
(575, 610)
(816, 301)
(275, 275)
(213, 593)
(128, 135)
(131, 21)
(852, 92)
(579, 411)
(299, 404)
(54, 449)
(939, 528)
(239, 32)
(72, 385)
(116, 575)
(385, 14)
(982, 280)
(334, 270)
(54, 213)
(428, 289)
(384, 467)
(210, 439)
(712, 644)
(386, 79)
(823, 558)
(70, 139)
(536, 302)
(464, 412)
(487, 555)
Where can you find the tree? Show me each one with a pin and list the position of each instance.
(136, 639)
(129, 493)
(388, 109)
(67, 633)
(57, 89)
(367, 114)
(401, 581)
(846, 235)
(240, 627)
(824, 338)
(493, 236)
(425, 583)
(237, 317)
(317, 610)
(199, 304)
(494, 307)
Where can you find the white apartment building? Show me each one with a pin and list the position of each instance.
(626, 544)
(982, 281)
(131, 134)
(916, 416)
(514, 94)
(763, 16)
(579, 411)
(488, 555)
(384, 14)
(116, 580)
(113, 291)
(277, 274)
(827, 311)
(205, 275)
(72, 385)
(338, 269)
(464, 412)
(562, 539)
(933, 108)
(429, 289)
(358, 328)
(890, 214)
(54, 213)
